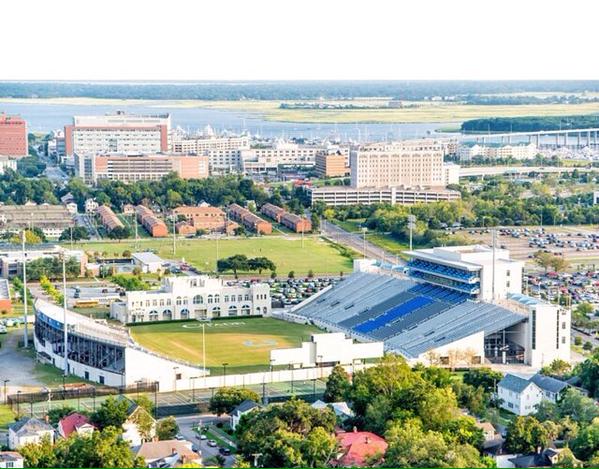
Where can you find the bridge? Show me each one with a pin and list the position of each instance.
(589, 136)
(516, 170)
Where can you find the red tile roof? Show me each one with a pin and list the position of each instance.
(71, 423)
(357, 447)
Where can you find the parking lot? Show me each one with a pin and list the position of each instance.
(577, 244)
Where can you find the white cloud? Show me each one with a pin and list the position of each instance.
(298, 39)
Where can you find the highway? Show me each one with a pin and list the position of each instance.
(356, 241)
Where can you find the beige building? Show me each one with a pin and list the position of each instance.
(131, 168)
(340, 195)
(51, 219)
(201, 145)
(517, 152)
(271, 158)
(407, 163)
(331, 165)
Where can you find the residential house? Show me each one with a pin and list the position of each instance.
(546, 458)
(168, 453)
(493, 441)
(356, 449)
(246, 406)
(133, 431)
(552, 388)
(518, 395)
(28, 430)
(75, 423)
(341, 409)
(11, 459)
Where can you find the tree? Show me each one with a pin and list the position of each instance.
(586, 443)
(338, 385)
(119, 232)
(567, 459)
(526, 435)
(31, 237)
(126, 254)
(226, 399)
(291, 434)
(57, 413)
(235, 263)
(75, 233)
(167, 428)
(558, 368)
(111, 413)
(588, 372)
(543, 259)
(145, 402)
(260, 264)
(40, 454)
(484, 377)
(291, 274)
(559, 264)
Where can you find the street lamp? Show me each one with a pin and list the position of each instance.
(225, 373)
(5, 395)
(364, 230)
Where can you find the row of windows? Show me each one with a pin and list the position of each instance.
(197, 300)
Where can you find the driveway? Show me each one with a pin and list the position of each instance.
(186, 428)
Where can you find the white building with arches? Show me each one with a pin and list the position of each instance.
(192, 297)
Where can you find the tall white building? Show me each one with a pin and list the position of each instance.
(269, 158)
(117, 133)
(197, 297)
(517, 152)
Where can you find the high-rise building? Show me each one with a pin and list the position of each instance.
(117, 133)
(13, 136)
(331, 165)
(407, 163)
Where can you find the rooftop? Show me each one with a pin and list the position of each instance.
(514, 383)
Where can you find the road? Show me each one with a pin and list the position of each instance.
(356, 242)
(54, 173)
(186, 428)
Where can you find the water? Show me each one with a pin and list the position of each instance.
(47, 117)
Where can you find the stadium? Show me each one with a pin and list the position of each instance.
(456, 305)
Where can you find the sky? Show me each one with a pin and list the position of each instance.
(298, 39)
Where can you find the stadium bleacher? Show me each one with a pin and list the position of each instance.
(446, 271)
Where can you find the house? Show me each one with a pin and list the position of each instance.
(493, 441)
(518, 395)
(246, 406)
(148, 262)
(75, 423)
(341, 409)
(546, 458)
(28, 430)
(552, 388)
(168, 453)
(357, 448)
(132, 431)
(11, 459)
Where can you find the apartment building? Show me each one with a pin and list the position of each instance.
(11, 258)
(490, 151)
(13, 136)
(131, 168)
(290, 220)
(203, 144)
(331, 165)
(249, 220)
(51, 219)
(108, 218)
(407, 163)
(205, 218)
(153, 225)
(224, 161)
(117, 133)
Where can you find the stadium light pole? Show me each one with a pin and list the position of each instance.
(5, 395)
(204, 351)
(225, 374)
(64, 313)
(24, 255)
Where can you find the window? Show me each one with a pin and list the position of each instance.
(178, 300)
(178, 376)
(198, 300)
(101, 379)
(209, 299)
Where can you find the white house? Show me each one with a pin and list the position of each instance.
(11, 459)
(552, 388)
(341, 409)
(168, 453)
(519, 395)
(28, 430)
(132, 433)
(148, 262)
(242, 409)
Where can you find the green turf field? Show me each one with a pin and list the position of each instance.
(286, 252)
(242, 343)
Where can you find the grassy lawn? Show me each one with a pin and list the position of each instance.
(350, 225)
(243, 343)
(7, 416)
(270, 110)
(286, 252)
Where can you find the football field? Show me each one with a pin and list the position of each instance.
(243, 343)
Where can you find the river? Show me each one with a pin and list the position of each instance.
(49, 116)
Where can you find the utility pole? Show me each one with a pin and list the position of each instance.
(204, 351)
(64, 312)
(494, 235)
(364, 230)
(174, 235)
(24, 255)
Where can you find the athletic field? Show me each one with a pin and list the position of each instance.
(243, 343)
(287, 252)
